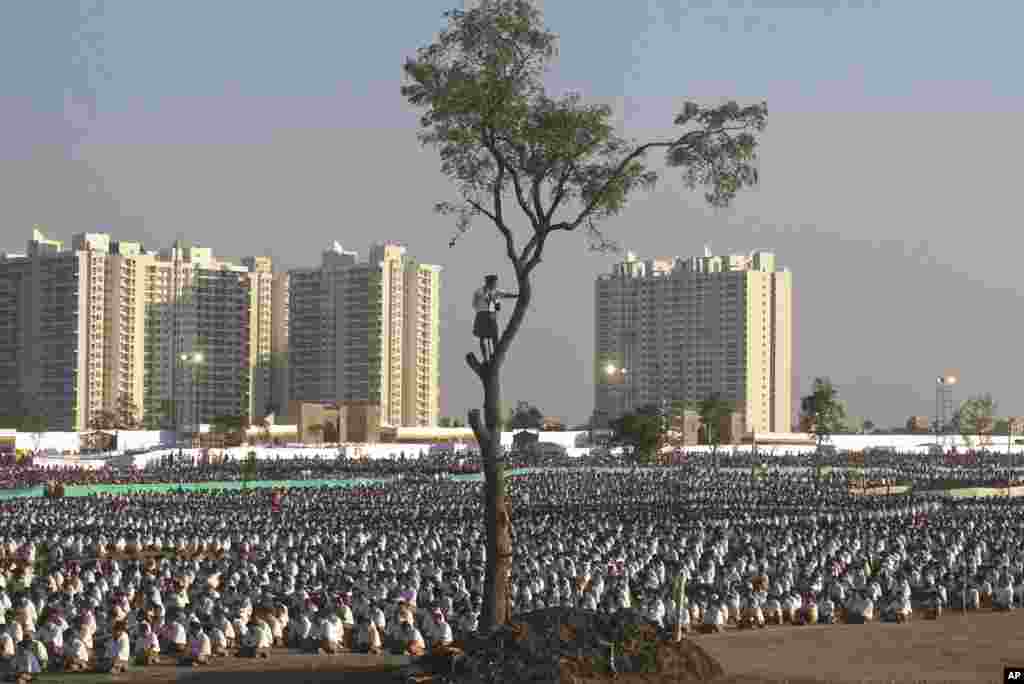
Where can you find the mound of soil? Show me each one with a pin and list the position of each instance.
(572, 646)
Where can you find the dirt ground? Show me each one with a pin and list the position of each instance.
(954, 649)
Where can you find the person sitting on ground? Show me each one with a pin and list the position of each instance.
(1002, 596)
(826, 611)
(332, 633)
(368, 638)
(147, 646)
(300, 631)
(8, 648)
(258, 640)
(199, 647)
(408, 640)
(174, 640)
(714, 617)
(439, 632)
(25, 666)
(772, 612)
(902, 608)
(218, 640)
(76, 653)
(118, 651)
(860, 609)
(39, 650)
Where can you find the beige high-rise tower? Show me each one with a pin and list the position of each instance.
(682, 329)
(105, 325)
(367, 332)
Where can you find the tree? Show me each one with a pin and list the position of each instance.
(249, 468)
(444, 422)
(976, 418)
(853, 425)
(823, 410)
(713, 410)
(643, 433)
(556, 163)
(869, 426)
(527, 417)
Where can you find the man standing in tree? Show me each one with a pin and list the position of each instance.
(486, 305)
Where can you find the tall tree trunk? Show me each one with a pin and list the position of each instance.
(497, 507)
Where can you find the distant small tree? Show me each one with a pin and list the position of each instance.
(444, 422)
(527, 417)
(869, 426)
(641, 433)
(249, 468)
(713, 410)
(824, 410)
(976, 418)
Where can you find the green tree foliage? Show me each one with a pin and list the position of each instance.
(823, 409)
(976, 417)
(713, 410)
(553, 165)
(642, 433)
(249, 468)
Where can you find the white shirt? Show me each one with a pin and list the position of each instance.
(77, 649)
(441, 633)
(200, 646)
(147, 642)
(484, 299)
(332, 629)
(176, 634)
(119, 648)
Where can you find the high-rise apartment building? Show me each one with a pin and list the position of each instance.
(367, 331)
(177, 333)
(682, 329)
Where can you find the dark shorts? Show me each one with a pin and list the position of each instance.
(485, 324)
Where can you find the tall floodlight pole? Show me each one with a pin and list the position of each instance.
(943, 403)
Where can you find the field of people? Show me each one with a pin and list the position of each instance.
(395, 567)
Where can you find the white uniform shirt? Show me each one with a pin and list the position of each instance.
(484, 299)
(77, 649)
(200, 646)
(120, 648)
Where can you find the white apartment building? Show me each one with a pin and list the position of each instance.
(367, 331)
(675, 329)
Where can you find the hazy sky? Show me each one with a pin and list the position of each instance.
(889, 164)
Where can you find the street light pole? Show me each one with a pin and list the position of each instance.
(193, 361)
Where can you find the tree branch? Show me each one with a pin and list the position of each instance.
(516, 182)
(686, 139)
(477, 367)
(560, 188)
